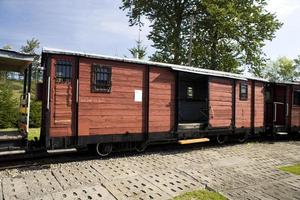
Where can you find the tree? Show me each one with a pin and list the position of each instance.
(282, 69)
(139, 51)
(297, 63)
(8, 108)
(227, 34)
(36, 107)
(31, 47)
(7, 47)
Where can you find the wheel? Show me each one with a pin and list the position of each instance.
(103, 149)
(242, 138)
(140, 147)
(221, 139)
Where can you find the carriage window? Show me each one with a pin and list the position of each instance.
(297, 97)
(101, 78)
(63, 71)
(189, 92)
(267, 95)
(243, 91)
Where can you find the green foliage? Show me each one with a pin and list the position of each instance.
(139, 51)
(8, 107)
(35, 114)
(282, 69)
(227, 34)
(297, 61)
(7, 47)
(11, 90)
(31, 47)
(34, 133)
(200, 195)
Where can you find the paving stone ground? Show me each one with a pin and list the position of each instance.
(244, 171)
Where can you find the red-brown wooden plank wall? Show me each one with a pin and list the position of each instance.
(243, 107)
(259, 105)
(115, 112)
(161, 100)
(61, 101)
(220, 102)
(295, 113)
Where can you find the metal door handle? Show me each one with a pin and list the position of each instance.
(48, 93)
(287, 109)
(275, 112)
(77, 90)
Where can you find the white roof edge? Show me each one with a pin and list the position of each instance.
(257, 79)
(16, 55)
(158, 64)
(285, 82)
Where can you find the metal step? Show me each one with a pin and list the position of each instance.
(189, 126)
(281, 133)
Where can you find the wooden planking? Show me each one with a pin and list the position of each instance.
(61, 101)
(295, 111)
(243, 107)
(161, 100)
(115, 112)
(259, 105)
(220, 102)
(295, 121)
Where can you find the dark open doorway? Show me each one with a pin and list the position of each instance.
(192, 101)
(276, 112)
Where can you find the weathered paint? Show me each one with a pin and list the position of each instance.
(111, 113)
(62, 102)
(220, 102)
(161, 100)
(243, 107)
(295, 111)
(259, 99)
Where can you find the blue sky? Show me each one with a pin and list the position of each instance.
(98, 26)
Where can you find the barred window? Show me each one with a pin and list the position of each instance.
(243, 91)
(63, 71)
(101, 78)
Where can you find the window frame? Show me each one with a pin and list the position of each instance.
(68, 76)
(104, 86)
(244, 96)
(296, 103)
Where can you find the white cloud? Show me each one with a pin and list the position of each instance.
(283, 8)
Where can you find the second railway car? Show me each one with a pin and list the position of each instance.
(98, 100)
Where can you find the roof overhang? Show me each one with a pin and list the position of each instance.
(14, 61)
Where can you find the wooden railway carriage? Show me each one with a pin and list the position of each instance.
(106, 102)
(94, 99)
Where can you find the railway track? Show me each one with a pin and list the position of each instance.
(40, 160)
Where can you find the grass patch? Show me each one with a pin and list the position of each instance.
(8, 129)
(34, 132)
(200, 195)
(294, 169)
